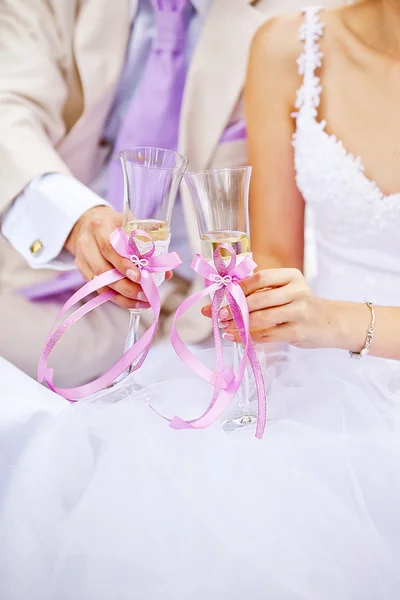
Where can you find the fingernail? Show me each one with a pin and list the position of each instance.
(224, 314)
(224, 324)
(228, 337)
(133, 275)
(141, 296)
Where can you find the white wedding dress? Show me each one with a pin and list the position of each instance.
(106, 502)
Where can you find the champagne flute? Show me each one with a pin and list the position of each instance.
(220, 199)
(151, 181)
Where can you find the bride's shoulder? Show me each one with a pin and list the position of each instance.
(279, 39)
(276, 48)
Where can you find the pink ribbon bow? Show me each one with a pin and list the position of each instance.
(148, 264)
(222, 280)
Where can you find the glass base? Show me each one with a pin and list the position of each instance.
(122, 390)
(241, 419)
(120, 379)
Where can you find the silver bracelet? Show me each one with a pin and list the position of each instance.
(370, 335)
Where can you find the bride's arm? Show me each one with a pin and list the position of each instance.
(281, 305)
(352, 318)
(283, 309)
(276, 205)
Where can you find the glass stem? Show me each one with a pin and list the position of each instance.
(244, 390)
(133, 333)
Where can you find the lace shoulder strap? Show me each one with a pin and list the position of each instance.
(308, 96)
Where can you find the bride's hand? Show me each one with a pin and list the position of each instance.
(283, 309)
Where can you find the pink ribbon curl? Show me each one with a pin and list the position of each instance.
(147, 263)
(221, 280)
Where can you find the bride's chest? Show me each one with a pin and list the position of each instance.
(359, 99)
(363, 112)
(349, 207)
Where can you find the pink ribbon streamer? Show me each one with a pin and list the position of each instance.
(222, 280)
(147, 263)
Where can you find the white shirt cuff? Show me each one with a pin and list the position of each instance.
(43, 215)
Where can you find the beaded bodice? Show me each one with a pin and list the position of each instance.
(357, 227)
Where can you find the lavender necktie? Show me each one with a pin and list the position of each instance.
(153, 116)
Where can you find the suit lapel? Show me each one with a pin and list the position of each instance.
(99, 59)
(99, 70)
(216, 77)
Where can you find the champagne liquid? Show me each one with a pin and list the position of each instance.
(237, 239)
(158, 230)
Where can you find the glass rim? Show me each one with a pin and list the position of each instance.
(184, 159)
(221, 170)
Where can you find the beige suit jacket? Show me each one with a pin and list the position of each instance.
(60, 62)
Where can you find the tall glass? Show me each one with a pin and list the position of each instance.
(151, 181)
(220, 199)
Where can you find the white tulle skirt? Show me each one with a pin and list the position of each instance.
(110, 503)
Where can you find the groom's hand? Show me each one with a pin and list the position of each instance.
(89, 242)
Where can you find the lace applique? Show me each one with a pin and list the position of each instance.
(310, 32)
